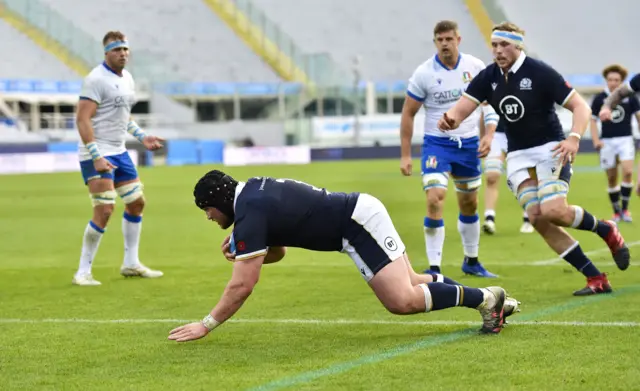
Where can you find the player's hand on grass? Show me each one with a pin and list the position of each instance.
(226, 249)
(567, 149)
(485, 146)
(598, 144)
(406, 165)
(152, 142)
(103, 165)
(605, 114)
(188, 332)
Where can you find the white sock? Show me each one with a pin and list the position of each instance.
(434, 240)
(90, 243)
(131, 227)
(469, 228)
(489, 213)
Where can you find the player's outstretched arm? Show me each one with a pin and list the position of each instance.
(149, 141)
(244, 278)
(458, 113)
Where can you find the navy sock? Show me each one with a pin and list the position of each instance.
(614, 197)
(446, 280)
(472, 261)
(579, 260)
(447, 296)
(589, 223)
(435, 269)
(625, 191)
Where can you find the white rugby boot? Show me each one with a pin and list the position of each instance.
(492, 309)
(140, 270)
(85, 279)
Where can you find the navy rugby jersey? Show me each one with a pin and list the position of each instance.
(621, 115)
(525, 101)
(286, 212)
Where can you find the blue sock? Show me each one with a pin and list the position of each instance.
(585, 221)
(447, 296)
(579, 260)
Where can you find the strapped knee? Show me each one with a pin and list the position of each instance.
(105, 198)
(468, 185)
(130, 192)
(435, 180)
(493, 165)
(550, 189)
(528, 197)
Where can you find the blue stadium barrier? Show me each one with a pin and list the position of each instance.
(23, 147)
(181, 152)
(210, 151)
(62, 147)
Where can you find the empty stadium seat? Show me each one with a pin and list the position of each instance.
(23, 59)
(184, 36)
(392, 37)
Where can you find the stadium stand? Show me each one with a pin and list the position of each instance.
(606, 29)
(23, 59)
(392, 37)
(184, 35)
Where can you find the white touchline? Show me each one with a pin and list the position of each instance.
(328, 322)
(600, 250)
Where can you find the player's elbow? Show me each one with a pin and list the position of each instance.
(242, 289)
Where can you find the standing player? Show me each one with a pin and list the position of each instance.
(617, 96)
(616, 144)
(524, 91)
(268, 214)
(438, 84)
(104, 118)
(492, 170)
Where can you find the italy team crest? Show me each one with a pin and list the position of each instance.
(431, 162)
(466, 77)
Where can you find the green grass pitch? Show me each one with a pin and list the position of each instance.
(312, 323)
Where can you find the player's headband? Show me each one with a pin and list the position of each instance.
(512, 37)
(115, 45)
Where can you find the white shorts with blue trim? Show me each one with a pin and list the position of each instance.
(539, 160)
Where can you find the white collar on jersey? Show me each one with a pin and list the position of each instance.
(516, 65)
(238, 190)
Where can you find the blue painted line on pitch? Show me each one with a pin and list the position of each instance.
(401, 350)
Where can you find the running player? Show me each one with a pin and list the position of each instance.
(524, 91)
(616, 144)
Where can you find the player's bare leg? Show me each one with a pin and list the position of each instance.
(560, 241)
(614, 192)
(469, 226)
(493, 167)
(103, 198)
(490, 200)
(393, 287)
(131, 194)
(626, 187)
(434, 227)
